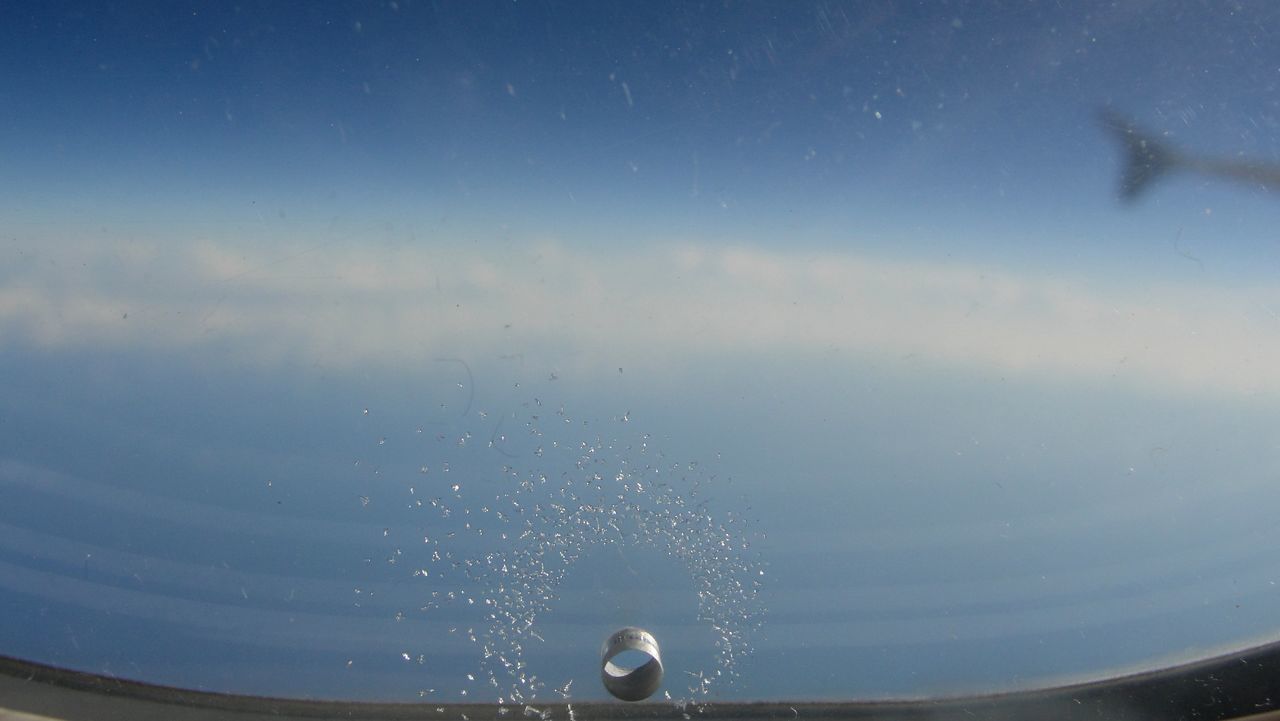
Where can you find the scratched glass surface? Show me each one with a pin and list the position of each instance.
(400, 350)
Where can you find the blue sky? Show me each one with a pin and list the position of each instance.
(412, 111)
(840, 297)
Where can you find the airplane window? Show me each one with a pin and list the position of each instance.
(405, 351)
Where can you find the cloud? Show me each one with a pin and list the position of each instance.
(343, 305)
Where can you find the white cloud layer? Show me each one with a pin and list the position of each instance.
(342, 305)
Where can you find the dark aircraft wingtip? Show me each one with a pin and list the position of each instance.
(1146, 159)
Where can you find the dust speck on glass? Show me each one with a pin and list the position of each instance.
(406, 350)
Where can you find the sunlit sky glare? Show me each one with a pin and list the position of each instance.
(840, 295)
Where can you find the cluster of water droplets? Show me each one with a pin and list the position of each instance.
(510, 509)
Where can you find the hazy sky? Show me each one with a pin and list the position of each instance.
(405, 350)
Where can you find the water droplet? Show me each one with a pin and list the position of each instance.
(546, 514)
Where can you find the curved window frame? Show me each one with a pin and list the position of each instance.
(1233, 686)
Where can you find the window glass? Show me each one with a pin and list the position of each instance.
(405, 350)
